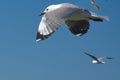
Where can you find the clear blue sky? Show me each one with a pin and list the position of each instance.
(60, 57)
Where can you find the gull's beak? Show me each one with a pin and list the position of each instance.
(41, 13)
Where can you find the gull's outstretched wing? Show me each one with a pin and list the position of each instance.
(47, 26)
(93, 57)
(101, 58)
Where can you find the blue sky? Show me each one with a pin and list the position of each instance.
(60, 57)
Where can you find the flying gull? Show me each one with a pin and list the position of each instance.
(96, 60)
(76, 19)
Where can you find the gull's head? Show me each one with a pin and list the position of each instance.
(49, 9)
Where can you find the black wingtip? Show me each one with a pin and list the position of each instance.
(40, 37)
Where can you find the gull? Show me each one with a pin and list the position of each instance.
(76, 19)
(96, 60)
(95, 4)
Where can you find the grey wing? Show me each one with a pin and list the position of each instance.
(66, 12)
(70, 9)
(101, 59)
(91, 56)
(81, 25)
(48, 25)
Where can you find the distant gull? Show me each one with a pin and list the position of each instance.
(95, 4)
(96, 60)
(76, 18)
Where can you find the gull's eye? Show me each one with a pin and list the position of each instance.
(46, 9)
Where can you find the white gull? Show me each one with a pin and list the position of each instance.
(76, 19)
(96, 60)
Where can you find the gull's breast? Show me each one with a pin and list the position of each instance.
(95, 62)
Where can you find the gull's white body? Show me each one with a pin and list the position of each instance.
(98, 61)
(95, 62)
